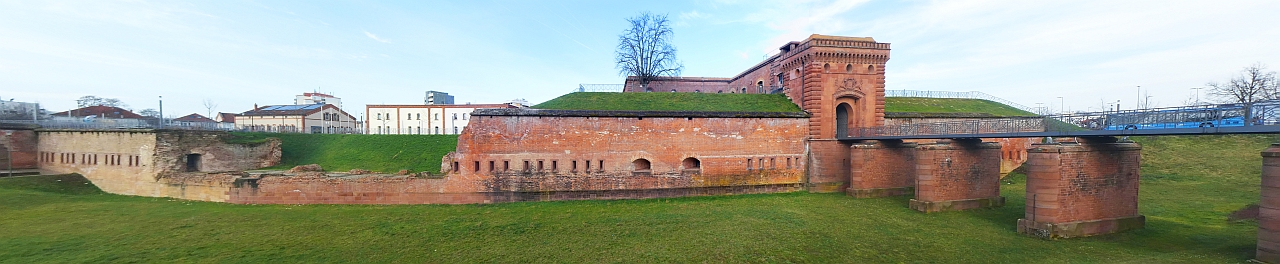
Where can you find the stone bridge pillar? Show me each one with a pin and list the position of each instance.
(882, 168)
(959, 174)
(1082, 189)
(1269, 208)
(829, 167)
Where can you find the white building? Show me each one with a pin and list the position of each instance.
(421, 119)
(438, 98)
(317, 98)
(313, 118)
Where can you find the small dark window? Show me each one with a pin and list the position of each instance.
(691, 163)
(749, 167)
(526, 165)
(490, 166)
(477, 168)
(193, 162)
(553, 166)
(540, 167)
(455, 166)
(506, 165)
(573, 165)
(588, 164)
(640, 165)
(601, 168)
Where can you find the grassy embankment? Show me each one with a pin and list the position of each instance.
(672, 102)
(950, 105)
(1189, 185)
(383, 153)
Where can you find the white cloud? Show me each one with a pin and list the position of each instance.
(375, 37)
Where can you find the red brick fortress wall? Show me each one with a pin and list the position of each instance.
(882, 168)
(1082, 189)
(957, 175)
(20, 148)
(1268, 250)
(591, 151)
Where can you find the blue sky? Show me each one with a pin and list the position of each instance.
(241, 53)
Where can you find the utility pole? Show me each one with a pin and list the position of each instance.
(161, 120)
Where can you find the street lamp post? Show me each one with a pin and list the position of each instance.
(1062, 105)
(1197, 91)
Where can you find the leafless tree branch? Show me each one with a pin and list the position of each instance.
(1254, 84)
(645, 50)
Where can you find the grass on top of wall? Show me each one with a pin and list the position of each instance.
(672, 102)
(382, 153)
(950, 105)
(1189, 185)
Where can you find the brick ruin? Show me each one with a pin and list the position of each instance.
(187, 164)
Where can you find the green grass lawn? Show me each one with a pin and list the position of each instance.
(337, 152)
(672, 102)
(950, 105)
(1189, 185)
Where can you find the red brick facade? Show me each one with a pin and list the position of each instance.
(1082, 189)
(20, 147)
(882, 168)
(957, 175)
(835, 79)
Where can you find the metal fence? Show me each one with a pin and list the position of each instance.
(1238, 117)
(600, 88)
(965, 95)
(126, 124)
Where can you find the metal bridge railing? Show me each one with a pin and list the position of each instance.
(1200, 116)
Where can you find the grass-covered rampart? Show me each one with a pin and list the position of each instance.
(1189, 185)
(672, 102)
(950, 105)
(383, 153)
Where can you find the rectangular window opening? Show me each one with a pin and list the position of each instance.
(601, 168)
(553, 166)
(749, 167)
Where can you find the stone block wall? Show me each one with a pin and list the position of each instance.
(152, 162)
(957, 175)
(829, 166)
(882, 168)
(1082, 189)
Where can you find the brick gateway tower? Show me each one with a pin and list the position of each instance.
(838, 80)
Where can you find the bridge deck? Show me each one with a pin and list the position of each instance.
(1260, 129)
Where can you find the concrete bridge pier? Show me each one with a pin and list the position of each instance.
(958, 174)
(1269, 207)
(1082, 189)
(882, 168)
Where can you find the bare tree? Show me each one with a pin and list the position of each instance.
(209, 105)
(1254, 84)
(149, 112)
(89, 100)
(645, 50)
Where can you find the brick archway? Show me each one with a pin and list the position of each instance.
(843, 113)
